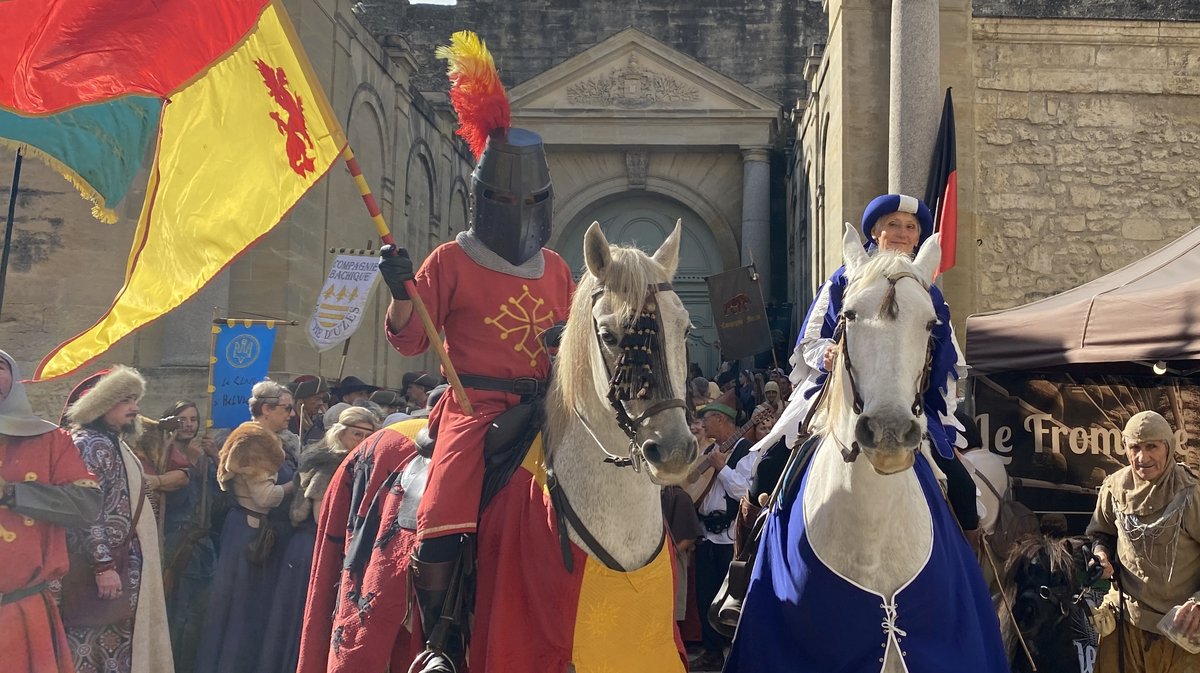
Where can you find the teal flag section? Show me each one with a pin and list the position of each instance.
(99, 148)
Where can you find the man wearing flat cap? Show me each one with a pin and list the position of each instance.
(44, 488)
(1146, 534)
(727, 470)
(311, 395)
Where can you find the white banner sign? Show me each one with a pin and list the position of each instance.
(340, 306)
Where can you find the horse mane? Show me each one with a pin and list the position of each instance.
(1059, 552)
(881, 266)
(629, 275)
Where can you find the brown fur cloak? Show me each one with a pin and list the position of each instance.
(251, 451)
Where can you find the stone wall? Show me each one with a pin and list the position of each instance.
(1143, 10)
(760, 43)
(1087, 137)
(66, 267)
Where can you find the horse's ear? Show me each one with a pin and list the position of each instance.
(668, 253)
(596, 253)
(929, 257)
(853, 253)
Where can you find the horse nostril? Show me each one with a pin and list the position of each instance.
(652, 452)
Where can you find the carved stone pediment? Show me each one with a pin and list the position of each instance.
(634, 73)
(631, 87)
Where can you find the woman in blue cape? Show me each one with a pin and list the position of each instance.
(780, 630)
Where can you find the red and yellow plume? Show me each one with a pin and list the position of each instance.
(475, 89)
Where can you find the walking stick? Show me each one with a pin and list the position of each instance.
(385, 235)
(8, 226)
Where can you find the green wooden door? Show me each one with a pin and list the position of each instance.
(645, 220)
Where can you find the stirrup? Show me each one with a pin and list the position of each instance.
(428, 657)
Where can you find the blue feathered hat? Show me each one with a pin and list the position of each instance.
(896, 203)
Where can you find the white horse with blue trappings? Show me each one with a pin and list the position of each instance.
(862, 567)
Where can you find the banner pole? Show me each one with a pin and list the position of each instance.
(385, 236)
(8, 226)
(345, 351)
(212, 361)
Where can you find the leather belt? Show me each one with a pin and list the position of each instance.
(21, 594)
(524, 386)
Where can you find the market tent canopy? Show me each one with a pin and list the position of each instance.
(1147, 311)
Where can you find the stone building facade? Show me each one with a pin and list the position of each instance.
(1078, 138)
(67, 267)
(762, 125)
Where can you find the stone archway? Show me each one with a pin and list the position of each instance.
(644, 220)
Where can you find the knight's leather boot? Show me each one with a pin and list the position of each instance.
(444, 648)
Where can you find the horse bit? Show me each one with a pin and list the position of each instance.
(840, 340)
(641, 367)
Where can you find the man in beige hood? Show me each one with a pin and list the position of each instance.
(1146, 532)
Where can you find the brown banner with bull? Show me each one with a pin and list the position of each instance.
(739, 313)
(1067, 429)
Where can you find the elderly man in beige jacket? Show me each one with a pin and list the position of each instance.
(1146, 534)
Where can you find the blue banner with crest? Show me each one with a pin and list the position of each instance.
(241, 355)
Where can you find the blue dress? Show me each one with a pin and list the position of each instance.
(242, 592)
(801, 617)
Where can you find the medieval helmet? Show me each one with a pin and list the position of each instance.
(510, 187)
(512, 195)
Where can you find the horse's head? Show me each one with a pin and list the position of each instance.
(1043, 578)
(884, 332)
(631, 355)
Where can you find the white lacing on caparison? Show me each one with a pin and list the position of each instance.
(892, 631)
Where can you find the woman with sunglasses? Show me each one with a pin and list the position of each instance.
(255, 466)
(281, 643)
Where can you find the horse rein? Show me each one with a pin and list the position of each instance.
(640, 349)
(840, 341)
(641, 368)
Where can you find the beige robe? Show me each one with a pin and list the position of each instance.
(151, 638)
(1149, 594)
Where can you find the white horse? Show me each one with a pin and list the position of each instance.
(864, 569)
(600, 598)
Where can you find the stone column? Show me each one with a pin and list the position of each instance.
(187, 332)
(915, 94)
(756, 213)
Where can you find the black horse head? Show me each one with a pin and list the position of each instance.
(1043, 579)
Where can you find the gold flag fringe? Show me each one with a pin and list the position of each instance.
(99, 211)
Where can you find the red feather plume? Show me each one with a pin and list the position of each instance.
(475, 89)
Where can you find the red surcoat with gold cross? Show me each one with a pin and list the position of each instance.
(491, 321)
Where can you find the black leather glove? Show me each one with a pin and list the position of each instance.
(396, 267)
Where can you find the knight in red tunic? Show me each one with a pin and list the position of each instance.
(493, 291)
(45, 489)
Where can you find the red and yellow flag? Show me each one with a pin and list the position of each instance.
(239, 146)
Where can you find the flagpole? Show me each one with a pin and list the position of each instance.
(385, 235)
(364, 190)
(8, 227)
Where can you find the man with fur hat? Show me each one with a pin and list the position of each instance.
(44, 488)
(122, 545)
(493, 290)
(1146, 532)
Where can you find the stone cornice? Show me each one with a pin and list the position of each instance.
(1077, 31)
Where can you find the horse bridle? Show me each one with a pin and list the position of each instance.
(840, 341)
(641, 368)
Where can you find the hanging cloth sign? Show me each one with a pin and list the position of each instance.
(241, 356)
(342, 301)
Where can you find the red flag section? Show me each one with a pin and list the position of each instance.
(59, 54)
(941, 192)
